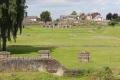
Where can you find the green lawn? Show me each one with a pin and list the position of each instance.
(34, 76)
(66, 44)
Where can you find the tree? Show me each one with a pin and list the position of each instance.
(109, 16)
(74, 13)
(11, 17)
(118, 19)
(115, 16)
(45, 16)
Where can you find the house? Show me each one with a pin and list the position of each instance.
(69, 17)
(98, 18)
(31, 18)
(94, 17)
(82, 16)
(89, 17)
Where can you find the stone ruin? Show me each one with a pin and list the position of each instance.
(84, 56)
(30, 64)
(4, 55)
(43, 63)
(44, 54)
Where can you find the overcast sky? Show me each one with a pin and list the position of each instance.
(64, 7)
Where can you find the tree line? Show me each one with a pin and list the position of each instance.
(114, 18)
(11, 17)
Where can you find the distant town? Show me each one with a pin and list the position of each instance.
(68, 21)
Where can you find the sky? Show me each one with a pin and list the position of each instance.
(65, 7)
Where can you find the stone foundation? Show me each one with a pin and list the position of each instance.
(37, 64)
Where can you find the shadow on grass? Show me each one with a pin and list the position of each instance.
(26, 49)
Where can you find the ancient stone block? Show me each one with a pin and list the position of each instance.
(84, 56)
(4, 55)
(45, 53)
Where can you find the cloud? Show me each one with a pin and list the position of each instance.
(63, 3)
(71, 1)
(51, 2)
(58, 7)
(58, 1)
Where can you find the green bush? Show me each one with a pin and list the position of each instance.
(112, 23)
(103, 74)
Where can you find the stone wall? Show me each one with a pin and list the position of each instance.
(31, 64)
(36, 64)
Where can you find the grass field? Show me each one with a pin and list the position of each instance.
(35, 76)
(66, 44)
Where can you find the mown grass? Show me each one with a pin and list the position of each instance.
(66, 44)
